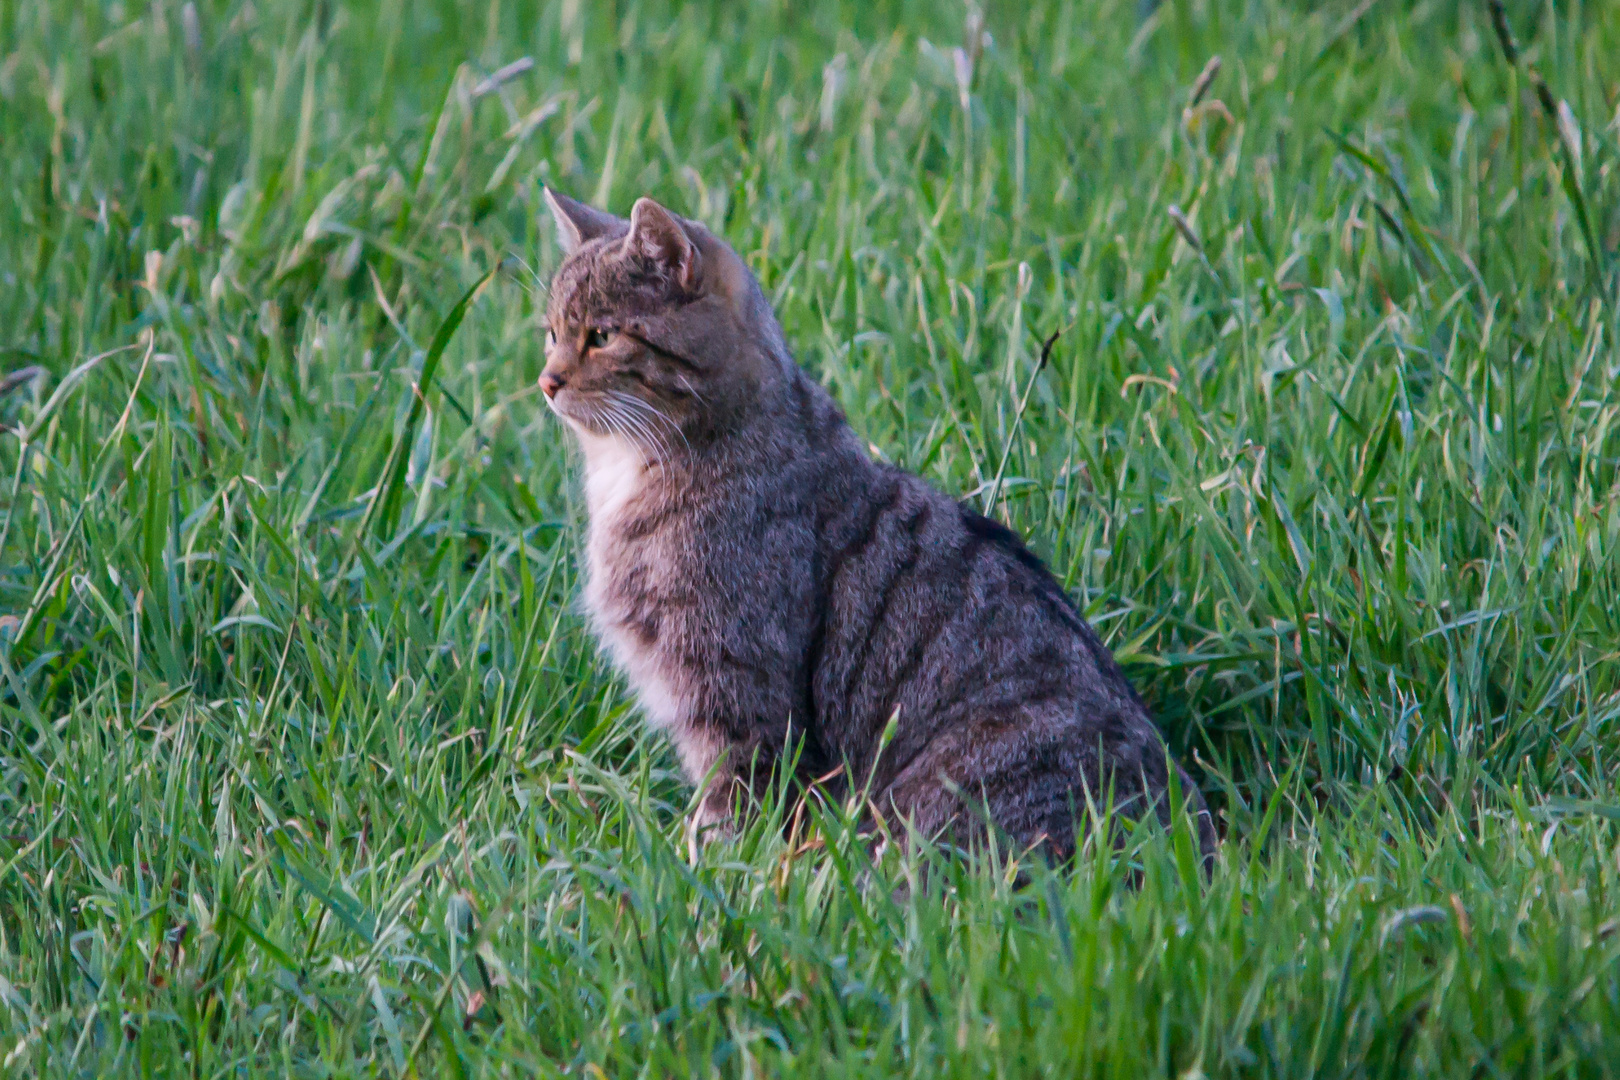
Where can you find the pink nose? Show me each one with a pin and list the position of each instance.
(550, 383)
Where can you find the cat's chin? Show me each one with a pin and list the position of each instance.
(578, 421)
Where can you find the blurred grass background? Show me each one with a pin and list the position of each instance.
(307, 765)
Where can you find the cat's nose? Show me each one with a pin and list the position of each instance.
(550, 383)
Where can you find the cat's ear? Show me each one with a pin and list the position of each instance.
(656, 235)
(577, 223)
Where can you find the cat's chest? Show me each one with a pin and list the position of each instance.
(616, 489)
(623, 566)
(615, 474)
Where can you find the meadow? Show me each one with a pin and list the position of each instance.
(309, 767)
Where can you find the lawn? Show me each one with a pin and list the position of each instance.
(309, 766)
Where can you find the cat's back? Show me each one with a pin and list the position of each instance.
(940, 618)
(937, 611)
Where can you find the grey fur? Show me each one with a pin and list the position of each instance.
(769, 590)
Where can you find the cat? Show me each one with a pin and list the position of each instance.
(774, 595)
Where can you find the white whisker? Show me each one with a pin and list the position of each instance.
(634, 428)
(690, 389)
(651, 413)
(642, 415)
(636, 431)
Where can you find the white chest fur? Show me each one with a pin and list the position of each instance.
(615, 474)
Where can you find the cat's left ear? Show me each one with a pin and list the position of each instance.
(577, 223)
(656, 235)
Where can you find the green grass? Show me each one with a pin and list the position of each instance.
(308, 765)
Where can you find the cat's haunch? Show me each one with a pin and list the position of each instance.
(772, 594)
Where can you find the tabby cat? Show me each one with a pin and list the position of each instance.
(774, 595)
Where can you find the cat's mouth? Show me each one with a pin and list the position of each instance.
(617, 414)
(580, 411)
(574, 417)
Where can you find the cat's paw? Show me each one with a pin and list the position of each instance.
(703, 827)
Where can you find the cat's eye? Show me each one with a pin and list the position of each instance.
(596, 338)
(551, 339)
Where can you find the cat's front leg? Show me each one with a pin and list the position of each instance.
(708, 762)
(712, 819)
(733, 776)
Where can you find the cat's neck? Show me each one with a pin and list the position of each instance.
(616, 471)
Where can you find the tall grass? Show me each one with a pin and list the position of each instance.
(307, 764)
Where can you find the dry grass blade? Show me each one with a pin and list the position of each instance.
(1205, 80)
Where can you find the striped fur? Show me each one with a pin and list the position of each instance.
(773, 594)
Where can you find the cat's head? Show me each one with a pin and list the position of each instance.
(656, 331)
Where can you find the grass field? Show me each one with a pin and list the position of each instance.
(308, 765)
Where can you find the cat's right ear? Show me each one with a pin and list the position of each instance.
(577, 223)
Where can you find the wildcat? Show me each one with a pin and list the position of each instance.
(774, 595)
